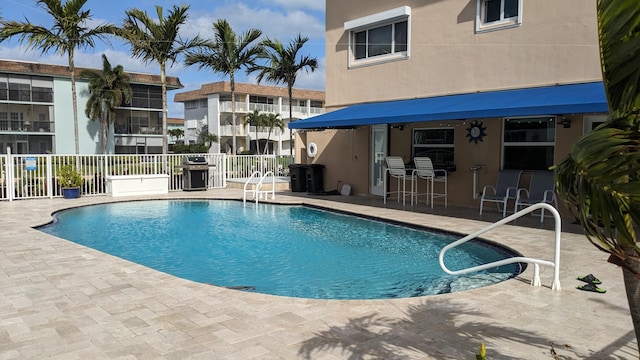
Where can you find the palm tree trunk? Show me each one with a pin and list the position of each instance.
(632, 287)
(232, 83)
(290, 89)
(104, 123)
(266, 145)
(74, 102)
(163, 80)
(257, 142)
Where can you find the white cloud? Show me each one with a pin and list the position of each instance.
(299, 4)
(275, 24)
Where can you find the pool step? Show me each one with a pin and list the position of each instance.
(280, 184)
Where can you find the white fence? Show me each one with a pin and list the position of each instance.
(35, 176)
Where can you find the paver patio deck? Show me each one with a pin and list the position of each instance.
(62, 300)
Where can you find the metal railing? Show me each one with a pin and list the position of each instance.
(35, 176)
(536, 262)
(257, 189)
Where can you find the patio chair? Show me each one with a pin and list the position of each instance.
(424, 170)
(541, 189)
(506, 188)
(396, 169)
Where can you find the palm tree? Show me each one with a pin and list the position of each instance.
(227, 54)
(107, 90)
(272, 121)
(256, 120)
(176, 134)
(600, 179)
(69, 32)
(158, 41)
(283, 66)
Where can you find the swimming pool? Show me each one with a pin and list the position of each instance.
(283, 250)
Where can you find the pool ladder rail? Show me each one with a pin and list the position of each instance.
(257, 189)
(536, 262)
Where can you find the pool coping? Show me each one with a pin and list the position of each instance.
(70, 301)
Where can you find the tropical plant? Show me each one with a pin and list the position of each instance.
(208, 139)
(482, 355)
(69, 32)
(69, 177)
(107, 90)
(158, 41)
(282, 66)
(271, 121)
(176, 134)
(600, 179)
(205, 137)
(256, 120)
(227, 54)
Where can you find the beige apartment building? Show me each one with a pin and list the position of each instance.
(211, 106)
(476, 85)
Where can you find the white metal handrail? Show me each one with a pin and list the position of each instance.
(266, 192)
(536, 262)
(255, 174)
(257, 190)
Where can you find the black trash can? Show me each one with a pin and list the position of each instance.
(315, 176)
(297, 174)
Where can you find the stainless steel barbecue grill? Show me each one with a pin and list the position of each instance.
(195, 173)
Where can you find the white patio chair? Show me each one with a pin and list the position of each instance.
(424, 170)
(396, 169)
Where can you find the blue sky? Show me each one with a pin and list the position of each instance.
(280, 19)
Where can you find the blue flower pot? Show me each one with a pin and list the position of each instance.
(71, 193)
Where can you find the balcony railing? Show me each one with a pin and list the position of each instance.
(27, 126)
(227, 130)
(138, 130)
(297, 111)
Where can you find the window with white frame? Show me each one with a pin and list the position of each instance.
(435, 143)
(497, 14)
(529, 143)
(382, 36)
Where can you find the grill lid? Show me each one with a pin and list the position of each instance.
(194, 160)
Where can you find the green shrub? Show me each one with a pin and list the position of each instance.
(69, 177)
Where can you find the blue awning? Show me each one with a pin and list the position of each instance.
(550, 100)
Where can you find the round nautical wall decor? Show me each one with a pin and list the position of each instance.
(475, 131)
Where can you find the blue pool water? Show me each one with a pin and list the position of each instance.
(275, 249)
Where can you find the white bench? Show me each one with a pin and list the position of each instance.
(133, 185)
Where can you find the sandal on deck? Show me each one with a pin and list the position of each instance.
(592, 288)
(590, 279)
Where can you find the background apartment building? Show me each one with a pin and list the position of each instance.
(210, 106)
(36, 112)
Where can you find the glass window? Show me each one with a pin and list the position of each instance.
(381, 40)
(529, 143)
(260, 100)
(3, 88)
(498, 10)
(498, 13)
(436, 144)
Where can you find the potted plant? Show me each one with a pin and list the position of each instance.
(70, 180)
